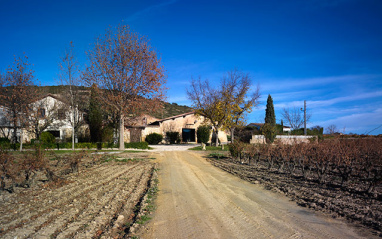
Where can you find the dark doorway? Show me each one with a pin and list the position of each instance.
(56, 133)
(188, 135)
(135, 135)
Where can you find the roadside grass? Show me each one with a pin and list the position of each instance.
(144, 209)
(151, 195)
(143, 219)
(217, 155)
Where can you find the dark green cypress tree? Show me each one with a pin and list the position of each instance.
(270, 116)
(269, 128)
(95, 117)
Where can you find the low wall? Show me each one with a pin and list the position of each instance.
(285, 139)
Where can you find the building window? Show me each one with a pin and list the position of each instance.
(61, 114)
(41, 112)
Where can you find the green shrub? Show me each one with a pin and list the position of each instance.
(173, 137)
(28, 146)
(47, 138)
(279, 129)
(85, 145)
(48, 146)
(109, 145)
(4, 140)
(269, 131)
(137, 145)
(203, 134)
(5, 143)
(154, 138)
(65, 145)
(15, 146)
(107, 134)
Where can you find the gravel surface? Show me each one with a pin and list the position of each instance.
(173, 147)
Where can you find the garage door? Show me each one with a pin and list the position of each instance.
(188, 135)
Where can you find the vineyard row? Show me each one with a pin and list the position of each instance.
(350, 164)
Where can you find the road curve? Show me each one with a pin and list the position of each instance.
(197, 200)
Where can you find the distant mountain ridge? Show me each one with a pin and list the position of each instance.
(169, 109)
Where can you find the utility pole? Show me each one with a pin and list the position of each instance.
(304, 117)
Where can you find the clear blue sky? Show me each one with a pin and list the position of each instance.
(328, 52)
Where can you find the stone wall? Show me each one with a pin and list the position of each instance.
(285, 139)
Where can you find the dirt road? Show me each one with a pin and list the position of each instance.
(197, 200)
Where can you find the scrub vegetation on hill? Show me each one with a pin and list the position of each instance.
(169, 109)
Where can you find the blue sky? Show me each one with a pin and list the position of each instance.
(327, 52)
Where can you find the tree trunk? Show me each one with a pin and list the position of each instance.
(217, 137)
(73, 129)
(121, 132)
(232, 135)
(21, 139)
(14, 136)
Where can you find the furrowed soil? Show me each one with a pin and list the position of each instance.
(198, 200)
(195, 200)
(97, 202)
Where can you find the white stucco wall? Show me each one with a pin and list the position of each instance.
(176, 124)
(285, 139)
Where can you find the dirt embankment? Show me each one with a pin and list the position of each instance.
(97, 202)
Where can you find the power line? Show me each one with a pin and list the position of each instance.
(374, 129)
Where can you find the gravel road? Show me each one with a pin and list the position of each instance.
(197, 200)
(172, 147)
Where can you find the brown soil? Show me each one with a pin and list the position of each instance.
(197, 200)
(360, 209)
(97, 202)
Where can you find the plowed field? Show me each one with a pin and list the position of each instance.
(97, 202)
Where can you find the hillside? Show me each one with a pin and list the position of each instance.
(170, 109)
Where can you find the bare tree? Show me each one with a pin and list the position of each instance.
(70, 75)
(2, 81)
(128, 74)
(295, 117)
(207, 102)
(226, 105)
(331, 129)
(18, 92)
(4, 122)
(235, 87)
